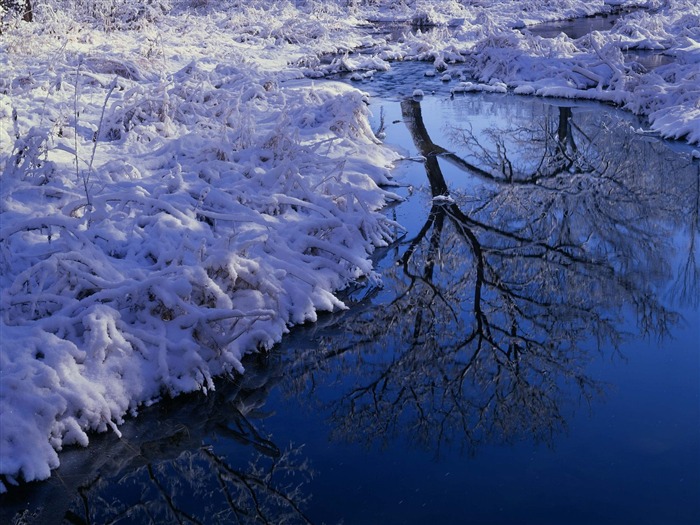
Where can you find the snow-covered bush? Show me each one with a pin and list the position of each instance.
(158, 223)
(21, 8)
(12, 12)
(104, 14)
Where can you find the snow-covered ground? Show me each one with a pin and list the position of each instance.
(179, 189)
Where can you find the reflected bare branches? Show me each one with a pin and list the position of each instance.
(195, 459)
(687, 285)
(498, 301)
(563, 236)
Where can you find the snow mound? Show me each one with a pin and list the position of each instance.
(207, 212)
(471, 87)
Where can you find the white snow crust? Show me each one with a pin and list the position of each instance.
(178, 189)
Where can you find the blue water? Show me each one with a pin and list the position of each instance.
(576, 28)
(580, 27)
(557, 382)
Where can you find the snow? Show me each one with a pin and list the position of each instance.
(181, 184)
(467, 87)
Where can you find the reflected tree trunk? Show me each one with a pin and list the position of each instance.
(498, 303)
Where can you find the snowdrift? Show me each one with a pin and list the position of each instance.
(157, 227)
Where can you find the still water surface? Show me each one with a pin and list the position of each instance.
(532, 354)
(579, 27)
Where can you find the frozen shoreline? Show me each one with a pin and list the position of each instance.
(178, 193)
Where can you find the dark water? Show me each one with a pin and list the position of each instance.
(579, 27)
(532, 354)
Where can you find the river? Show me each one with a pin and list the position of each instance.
(531, 353)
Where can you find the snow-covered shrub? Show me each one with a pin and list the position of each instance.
(18, 8)
(111, 14)
(29, 157)
(12, 12)
(222, 208)
(512, 56)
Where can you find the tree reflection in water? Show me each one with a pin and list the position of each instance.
(561, 232)
(507, 291)
(175, 464)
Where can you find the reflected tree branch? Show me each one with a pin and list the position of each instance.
(166, 468)
(500, 297)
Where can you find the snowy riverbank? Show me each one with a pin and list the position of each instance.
(177, 190)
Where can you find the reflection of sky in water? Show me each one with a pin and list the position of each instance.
(631, 455)
(580, 27)
(574, 28)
